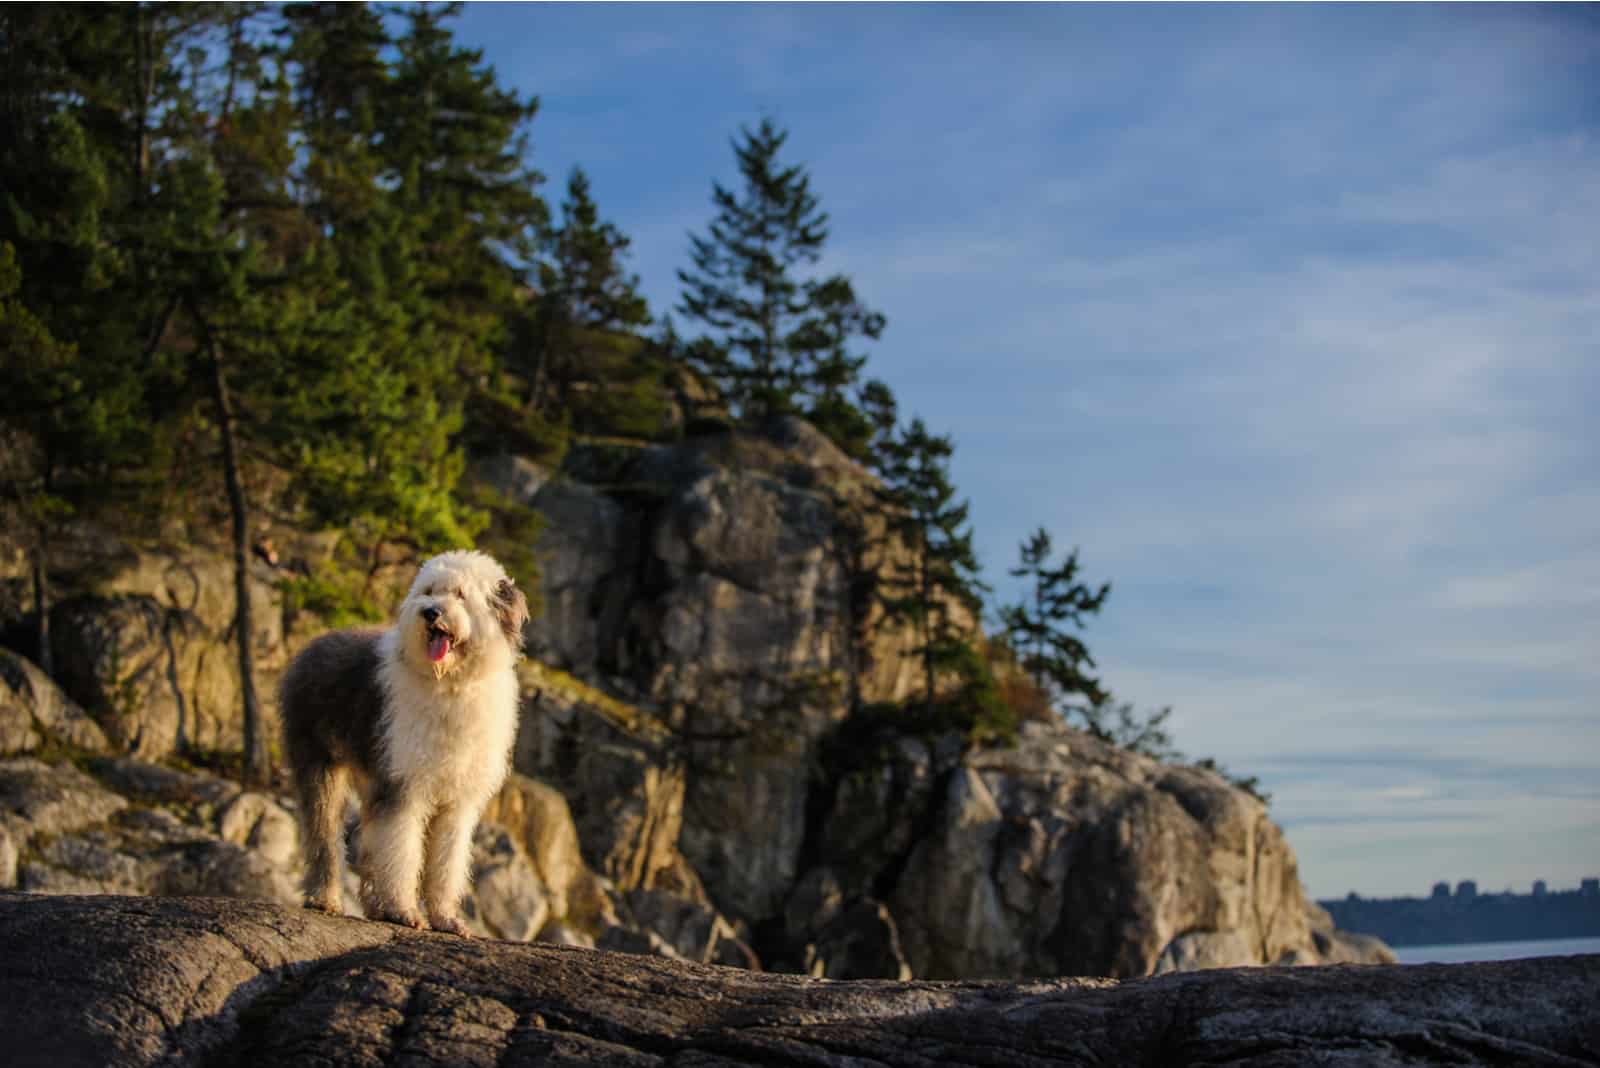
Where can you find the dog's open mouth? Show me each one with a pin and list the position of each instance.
(440, 642)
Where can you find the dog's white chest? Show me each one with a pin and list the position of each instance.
(453, 745)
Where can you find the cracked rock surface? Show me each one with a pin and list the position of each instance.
(145, 981)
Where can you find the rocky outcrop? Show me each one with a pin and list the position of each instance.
(142, 641)
(1066, 856)
(34, 712)
(704, 616)
(126, 982)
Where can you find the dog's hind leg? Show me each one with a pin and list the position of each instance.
(322, 796)
(393, 822)
(449, 860)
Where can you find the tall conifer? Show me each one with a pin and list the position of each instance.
(935, 586)
(781, 335)
(578, 347)
(1038, 625)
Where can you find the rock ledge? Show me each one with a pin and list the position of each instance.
(199, 981)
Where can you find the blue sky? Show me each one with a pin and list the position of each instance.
(1287, 317)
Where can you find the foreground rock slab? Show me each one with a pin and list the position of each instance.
(201, 981)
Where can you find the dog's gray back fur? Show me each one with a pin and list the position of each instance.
(332, 702)
(332, 707)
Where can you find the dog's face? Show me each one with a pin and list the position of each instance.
(463, 613)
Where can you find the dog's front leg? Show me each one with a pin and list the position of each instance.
(449, 858)
(391, 856)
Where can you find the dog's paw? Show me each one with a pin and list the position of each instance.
(332, 908)
(449, 925)
(399, 918)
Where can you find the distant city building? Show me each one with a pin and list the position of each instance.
(1441, 891)
(1466, 890)
(1539, 888)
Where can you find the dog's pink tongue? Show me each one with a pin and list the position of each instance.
(438, 646)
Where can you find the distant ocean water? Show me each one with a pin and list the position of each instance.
(1464, 952)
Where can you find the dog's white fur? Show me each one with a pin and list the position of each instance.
(443, 739)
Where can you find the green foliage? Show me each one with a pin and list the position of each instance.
(1250, 784)
(1119, 723)
(1036, 626)
(932, 583)
(575, 348)
(336, 592)
(510, 533)
(780, 341)
(973, 709)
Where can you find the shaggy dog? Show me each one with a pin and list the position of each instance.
(420, 718)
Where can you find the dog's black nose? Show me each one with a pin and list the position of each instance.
(430, 614)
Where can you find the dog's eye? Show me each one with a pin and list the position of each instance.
(461, 595)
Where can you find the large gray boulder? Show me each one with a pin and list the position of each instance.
(129, 982)
(1062, 855)
(34, 711)
(142, 641)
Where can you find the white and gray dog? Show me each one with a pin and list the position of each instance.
(420, 717)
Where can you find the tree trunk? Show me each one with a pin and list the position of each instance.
(257, 764)
(926, 589)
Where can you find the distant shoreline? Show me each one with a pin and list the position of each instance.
(1466, 917)
(1473, 952)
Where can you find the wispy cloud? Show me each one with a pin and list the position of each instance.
(1286, 316)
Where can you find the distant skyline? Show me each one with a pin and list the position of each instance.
(1286, 316)
(1524, 890)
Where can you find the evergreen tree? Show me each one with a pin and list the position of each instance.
(1037, 627)
(204, 256)
(453, 142)
(849, 416)
(780, 337)
(935, 588)
(77, 332)
(579, 348)
(582, 271)
(423, 206)
(1119, 723)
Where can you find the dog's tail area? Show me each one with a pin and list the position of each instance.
(322, 789)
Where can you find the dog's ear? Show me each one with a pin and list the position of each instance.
(511, 609)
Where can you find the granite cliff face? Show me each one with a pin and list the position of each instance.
(714, 587)
(692, 782)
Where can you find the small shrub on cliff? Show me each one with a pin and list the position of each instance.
(336, 595)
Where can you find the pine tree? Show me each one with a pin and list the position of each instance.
(935, 587)
(414, 178)
(1037, 627)
(204, 255)
(850, 417)
(780, 337)
(453, 143)
(78, 331)
(579, 348)
(1119, 723)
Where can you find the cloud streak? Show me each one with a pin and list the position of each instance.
(1287, 317)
